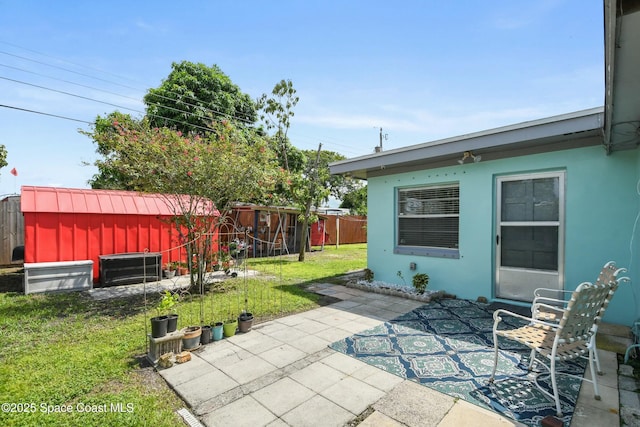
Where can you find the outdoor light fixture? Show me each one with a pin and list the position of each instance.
(468, 154)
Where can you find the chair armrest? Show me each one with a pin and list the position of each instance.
(498, 313)
(546, 312)
(540, 292)
(550, 301)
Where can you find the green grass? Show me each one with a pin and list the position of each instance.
(66, 349)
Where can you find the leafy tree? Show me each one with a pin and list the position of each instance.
(105, 134)
(195, 175)
(355, 201)
(3, 156)
(337, 185)
(307, 191)
(277, 113)
(194, 95)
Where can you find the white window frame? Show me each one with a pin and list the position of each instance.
(441, 207)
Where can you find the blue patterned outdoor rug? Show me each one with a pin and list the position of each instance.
(447, 345)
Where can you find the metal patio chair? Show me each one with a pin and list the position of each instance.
(548, 298)
(559, 342)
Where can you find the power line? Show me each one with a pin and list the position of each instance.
(44, 114)
(242, 119)
(71, 94)
(109, 103)
(182, 111)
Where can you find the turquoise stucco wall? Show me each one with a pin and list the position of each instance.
(600, 210)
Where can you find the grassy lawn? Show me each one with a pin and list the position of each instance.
(69, 360)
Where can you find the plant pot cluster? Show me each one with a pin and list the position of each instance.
(163, 325)
(228, 328)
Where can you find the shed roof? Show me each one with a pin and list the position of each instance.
(76, 200)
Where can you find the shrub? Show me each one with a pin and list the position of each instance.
(368, 275)
(420, 281)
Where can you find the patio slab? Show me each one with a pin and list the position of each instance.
(317, 412)
(282, 396)
(352, 394)
(282, 373)
(245, 412)
(407, 404)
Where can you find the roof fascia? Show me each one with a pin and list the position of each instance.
(571, 125)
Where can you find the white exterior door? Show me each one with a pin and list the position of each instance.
(530, 234)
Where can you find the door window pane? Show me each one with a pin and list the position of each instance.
(530, 200)
(530, 247)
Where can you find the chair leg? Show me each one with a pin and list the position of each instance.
(495, 358)
(594, 379)
(595, 354)
(554, 385)
(532, 359)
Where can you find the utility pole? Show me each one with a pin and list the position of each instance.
(382, 136)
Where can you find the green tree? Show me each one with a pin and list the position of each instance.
(198, 177)
(105, 134)
(308, 191)
(356, 201)
(194, 95)
(277, 111)
(3, 156)
(338, 185)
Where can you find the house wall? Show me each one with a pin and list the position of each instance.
(600, 210)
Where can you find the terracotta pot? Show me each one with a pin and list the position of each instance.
(191, 338)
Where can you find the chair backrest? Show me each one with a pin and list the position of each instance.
(609, 275)
(583, 311)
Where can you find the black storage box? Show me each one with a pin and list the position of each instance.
(128, 268)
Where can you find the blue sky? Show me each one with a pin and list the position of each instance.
(421, 70)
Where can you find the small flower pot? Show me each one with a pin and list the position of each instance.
(159, 326)
(229, 328)
(169, 274)
(217, 331)
(205, 338)
(245, 321)
(172, 323)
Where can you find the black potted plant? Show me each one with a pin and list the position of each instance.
(165, 321)
(159, 326)
(245, 321)
(167, 305)
(205, 337)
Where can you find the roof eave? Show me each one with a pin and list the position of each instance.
(580, 125)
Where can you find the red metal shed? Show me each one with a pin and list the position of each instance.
(65, 224)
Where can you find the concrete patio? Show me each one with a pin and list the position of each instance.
(282, 373)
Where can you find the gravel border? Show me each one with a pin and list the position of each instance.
(397, 291)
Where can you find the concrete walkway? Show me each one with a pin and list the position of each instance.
(282, 373)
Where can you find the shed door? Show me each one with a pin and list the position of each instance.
(530, 234)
